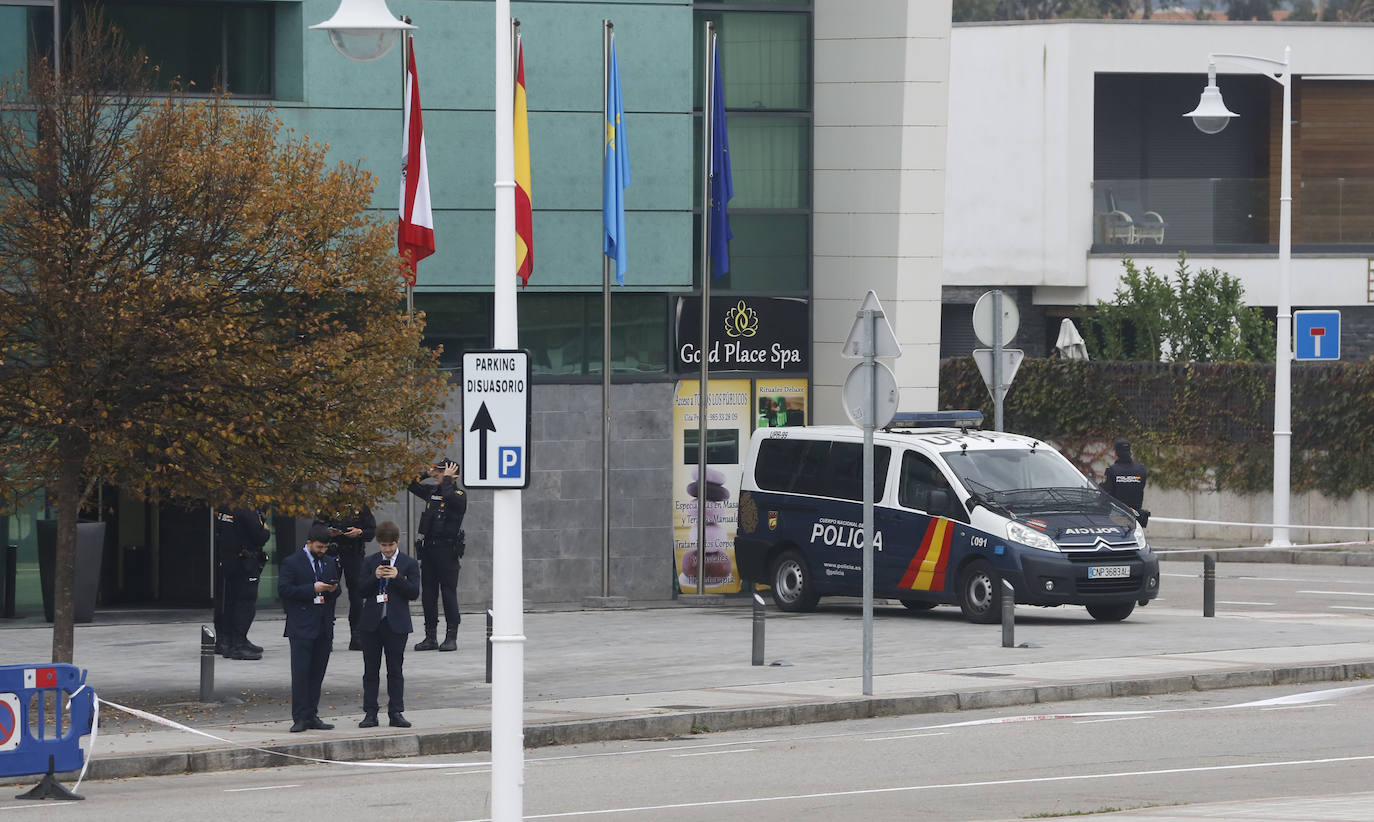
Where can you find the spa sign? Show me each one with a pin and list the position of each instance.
(769, 334)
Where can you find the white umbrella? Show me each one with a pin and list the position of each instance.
(1070, 344)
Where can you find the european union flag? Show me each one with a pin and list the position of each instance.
(722, 188)
(616, 176)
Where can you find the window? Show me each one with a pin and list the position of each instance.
(818, 468)
(204, 46)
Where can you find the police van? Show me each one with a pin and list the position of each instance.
(956, 511)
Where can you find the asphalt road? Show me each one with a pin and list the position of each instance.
(1271, 588)
(1075, 758)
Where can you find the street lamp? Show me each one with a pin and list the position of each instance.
(1211, 116)
(363, 30)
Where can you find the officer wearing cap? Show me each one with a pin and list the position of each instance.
(1125, 480)
(439, 547)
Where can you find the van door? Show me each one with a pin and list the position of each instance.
(920, 537)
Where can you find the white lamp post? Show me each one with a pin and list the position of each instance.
(1211, 116)
(363, 30)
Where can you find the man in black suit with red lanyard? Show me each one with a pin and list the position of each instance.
(388, 583)
(308, 584)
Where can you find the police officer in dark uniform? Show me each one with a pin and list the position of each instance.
(240, 534)
(1126, 481)
(352, 527)
(439, 547)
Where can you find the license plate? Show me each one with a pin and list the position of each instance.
(1109, 572)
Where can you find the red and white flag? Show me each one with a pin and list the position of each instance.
(40, 677)
(415, 234)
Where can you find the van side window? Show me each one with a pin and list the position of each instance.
(818, 468)
(919, 479)
(844, 475)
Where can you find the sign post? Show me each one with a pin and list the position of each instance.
(995, 321)
(870, 400)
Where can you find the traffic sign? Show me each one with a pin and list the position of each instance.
(884, 341)
(9, 722)
(1011, 360)
(1316, 335)
(984, 318)
(858, 394)
(496, 418)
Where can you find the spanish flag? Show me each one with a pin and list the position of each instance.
(524, 210)
(415, 232)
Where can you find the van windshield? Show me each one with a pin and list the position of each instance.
(984, 472)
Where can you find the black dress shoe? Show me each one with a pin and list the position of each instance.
(399, 721)
(369, 721)
(244, 652)
(222, 648)
(257, 649)
(318, 724)
(355, 644)
(299, 726)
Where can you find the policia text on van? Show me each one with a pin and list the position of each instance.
(955, 512)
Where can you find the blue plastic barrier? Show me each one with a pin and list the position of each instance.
(62, 710)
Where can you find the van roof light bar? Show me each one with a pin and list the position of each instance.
(937, 419)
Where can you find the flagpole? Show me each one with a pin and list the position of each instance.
(708, 91)
(508, 626)
(607, 35)
(407, 43)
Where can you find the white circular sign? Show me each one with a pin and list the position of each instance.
(983, 319)
(857, 395)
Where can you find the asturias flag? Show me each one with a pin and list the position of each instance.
(524, 208)
(415, 235)
(616, 177)
(722, 188)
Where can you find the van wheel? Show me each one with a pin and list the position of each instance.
(979, 596)
(918, 604)
(1111, 613)
(792, 586)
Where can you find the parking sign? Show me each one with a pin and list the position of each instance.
(496, 418)
(1316, 335)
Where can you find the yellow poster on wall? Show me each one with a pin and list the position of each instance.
(729, 424)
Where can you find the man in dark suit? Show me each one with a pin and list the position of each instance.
(308, 584)
(389, 582)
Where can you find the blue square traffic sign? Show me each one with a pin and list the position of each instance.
(1316, 335)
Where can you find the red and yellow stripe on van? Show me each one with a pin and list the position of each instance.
(927, 569)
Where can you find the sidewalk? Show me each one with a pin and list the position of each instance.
(664, 669)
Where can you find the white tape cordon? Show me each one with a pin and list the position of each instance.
(1291, 526)
(162, 720)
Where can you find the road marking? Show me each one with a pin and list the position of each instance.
(1298, 707)
(262, 788)
(903, 736)
(716, 753)
(1240, 602)
(1341, 593)
(1352, 607)
(1114, 719)
(811, 797)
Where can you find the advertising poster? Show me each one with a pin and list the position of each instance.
(729, 424)
(779, 403)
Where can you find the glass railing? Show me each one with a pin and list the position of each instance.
(1191, 213)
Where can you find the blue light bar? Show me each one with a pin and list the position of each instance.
(937, 419)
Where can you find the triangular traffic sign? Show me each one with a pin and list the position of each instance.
(884, 342)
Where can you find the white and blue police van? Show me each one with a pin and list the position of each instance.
(956, 511)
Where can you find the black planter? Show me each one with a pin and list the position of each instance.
(90, 547)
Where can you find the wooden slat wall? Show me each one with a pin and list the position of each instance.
(1333, 161)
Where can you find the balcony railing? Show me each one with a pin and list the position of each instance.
(1219, 212)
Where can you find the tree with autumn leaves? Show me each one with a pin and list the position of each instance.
(193, 306)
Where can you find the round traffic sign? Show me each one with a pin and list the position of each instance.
(857, 396)
(9, 722)
(983, 319)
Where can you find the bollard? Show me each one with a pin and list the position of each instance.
(758, 627)
(1209, 585)
(1008, 615)
(207, 664)
(11, 573)
(490, 625)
